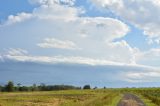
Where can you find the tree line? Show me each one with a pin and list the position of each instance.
(11, 87)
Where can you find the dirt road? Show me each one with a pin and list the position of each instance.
(130, 100)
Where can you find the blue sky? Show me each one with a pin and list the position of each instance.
(9, 7)
(106, 36)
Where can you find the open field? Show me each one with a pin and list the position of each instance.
(99, 97)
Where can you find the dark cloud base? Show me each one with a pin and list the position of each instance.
(28, 73)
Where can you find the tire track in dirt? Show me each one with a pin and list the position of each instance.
(130, 100)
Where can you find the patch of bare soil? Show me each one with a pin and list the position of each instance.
(131, 100)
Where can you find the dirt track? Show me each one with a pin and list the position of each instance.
(131, 100)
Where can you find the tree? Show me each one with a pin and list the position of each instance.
(18, 86)
(1, 88)
(42, 87)
(34, 87)
(95, 87)
(9, 87)
(24, 88)
(87, 87)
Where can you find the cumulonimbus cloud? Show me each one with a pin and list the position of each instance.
(95, 35)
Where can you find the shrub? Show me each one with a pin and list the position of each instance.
(87, 87)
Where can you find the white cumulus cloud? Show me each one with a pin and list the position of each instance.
(56, 43)
(144, 14)
(22, 55)
(52, 2)
(20, 17)
(150, 58)
(17, 51)
(143, 76)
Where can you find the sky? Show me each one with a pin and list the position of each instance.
(114, 43)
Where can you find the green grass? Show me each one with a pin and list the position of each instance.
(99, 97)
(150, 96)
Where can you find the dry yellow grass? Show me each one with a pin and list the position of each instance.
(60, 98)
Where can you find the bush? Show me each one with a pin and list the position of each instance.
(87, 87)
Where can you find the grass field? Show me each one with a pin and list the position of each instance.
(99, 97)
